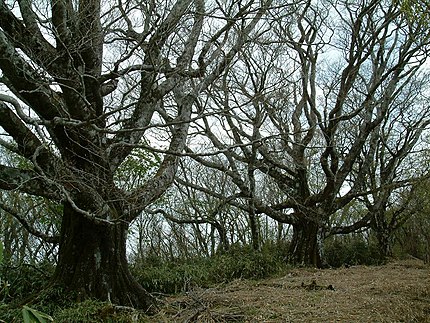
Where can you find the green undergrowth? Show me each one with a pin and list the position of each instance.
(95, 312)
(243, 262)
(63, 308)
(27, 285)
(88, 311)
(45, 299)
(238, 262)
(19, 282)
(351, 250)
(21, 285)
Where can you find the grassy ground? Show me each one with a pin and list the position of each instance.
(396, 292)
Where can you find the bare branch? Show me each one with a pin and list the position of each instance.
(27, 226)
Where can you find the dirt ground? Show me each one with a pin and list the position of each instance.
(396, 292)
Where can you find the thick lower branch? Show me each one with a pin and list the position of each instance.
(26, 181)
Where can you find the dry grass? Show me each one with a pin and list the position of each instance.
(396, 292)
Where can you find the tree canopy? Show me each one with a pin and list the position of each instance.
(291, 110)
(84, 83)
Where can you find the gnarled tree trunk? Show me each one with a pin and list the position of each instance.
(304, 248)
(385, 243)
(92, 262)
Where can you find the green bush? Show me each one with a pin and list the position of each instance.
(350, 250)
(244, 262)
(30, 315)
(91, 311)
(21, 281)
(238, 262)
(48, 300)
(171, 277)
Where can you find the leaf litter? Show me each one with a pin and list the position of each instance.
(396, 292)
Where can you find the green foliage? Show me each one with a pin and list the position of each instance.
(91, 311)
(10, 314)
(238, 262)
(22, 283)
(413, 237)
(416, 11)
(1, 254)
(24, 280)
(61, 306)
(350, 250)
(137, 167)
(30, 315)
(4, 284)
(172, 277)
(48, 300)
(244, 262)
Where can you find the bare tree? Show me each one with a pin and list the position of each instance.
(87, 82)
(306, 101)
(414, 235)
(397, 164)
(207, 217)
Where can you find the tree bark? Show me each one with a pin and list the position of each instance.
(383, 230)
(255, 231)
(92, 263)
(385, 243)
(304, 248)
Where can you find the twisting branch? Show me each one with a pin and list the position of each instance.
(27, 226)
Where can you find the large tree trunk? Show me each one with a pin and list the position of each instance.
(92, 263)
(304, 248)
(383, 231)
(385, 243)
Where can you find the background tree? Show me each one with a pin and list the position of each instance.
(28, 224)
(208, 220)
(413, 237)
(304, 105)
(396, 164)
(87, 82)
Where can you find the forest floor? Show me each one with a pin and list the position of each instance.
(396, 292)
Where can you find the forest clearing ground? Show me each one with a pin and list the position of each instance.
(396, 292)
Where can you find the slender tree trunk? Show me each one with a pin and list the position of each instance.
(280, 232)
(92, 263)
(255, 231)
(9, 232)
(224, 244)
(304, 248)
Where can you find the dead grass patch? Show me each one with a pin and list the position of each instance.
(396, 292)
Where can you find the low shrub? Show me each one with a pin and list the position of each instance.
(244, 262)
(240, 261)
(350, 250)
(171, 277)
(98, 312)
(21, 281)
(48, 300)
